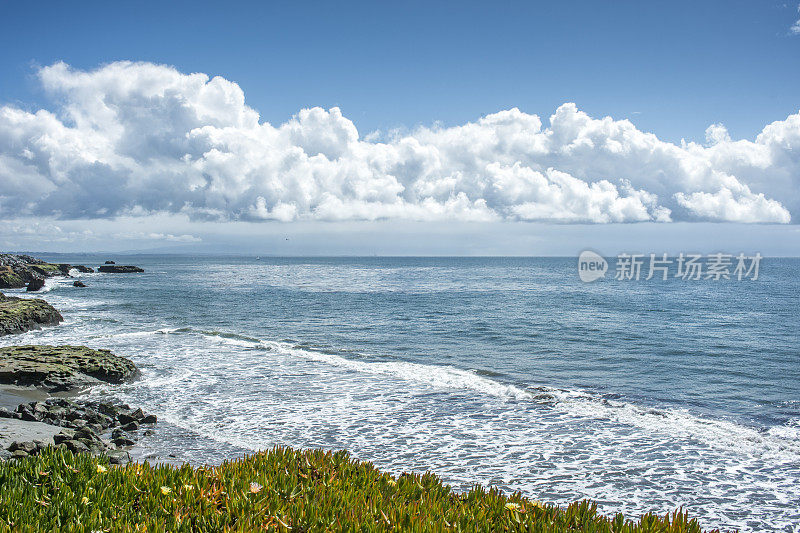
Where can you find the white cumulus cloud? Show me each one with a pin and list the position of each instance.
(133, 139)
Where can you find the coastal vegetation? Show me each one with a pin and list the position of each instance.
(280, 490)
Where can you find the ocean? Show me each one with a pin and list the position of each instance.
(642, 395)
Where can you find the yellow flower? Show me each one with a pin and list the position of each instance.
(255, 487)
(513, 506)
(188, 487)
(85, 500)
(538, 504)
(165, 490)
(101, 469)
(393, 483)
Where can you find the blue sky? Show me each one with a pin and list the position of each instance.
(400, 127)
(672, 67)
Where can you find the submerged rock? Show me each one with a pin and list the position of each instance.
(18, 315)
(119, 269)
(78, 284)
(58, 368)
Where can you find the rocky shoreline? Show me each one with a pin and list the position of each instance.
(80, 426)
(20, 270)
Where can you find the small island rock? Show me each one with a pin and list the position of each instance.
(119, 269)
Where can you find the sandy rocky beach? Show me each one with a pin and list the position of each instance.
(40, 386)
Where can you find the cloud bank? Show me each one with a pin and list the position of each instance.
(133, 139)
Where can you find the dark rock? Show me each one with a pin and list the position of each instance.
(19, 454)
(138, 414)
(56, 412)
(83, 269)
(65, 435)
(97, 448)
(119, 269)
(86, 434)
(131, 426)
(94, 428)
(76, 446)
(119, 434)
(125, 418)
(119, 457)
(103, 421)
(149, 419)
(35, 285)
(78, 284)
(5, 413)
(110, 263)
(122, 442)
(27, 447)
(75, 414)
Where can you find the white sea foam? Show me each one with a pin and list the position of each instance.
(555, 445)
(780, 444)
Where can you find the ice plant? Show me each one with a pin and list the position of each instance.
(298, 490)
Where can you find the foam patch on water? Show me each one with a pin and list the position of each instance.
(781, 443)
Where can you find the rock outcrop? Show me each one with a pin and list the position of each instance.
(18, 315)
(19, 270)
(78, 284)
(35, 285)
(119, 269)
(62, 368)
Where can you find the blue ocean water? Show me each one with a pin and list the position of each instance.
(645, 396)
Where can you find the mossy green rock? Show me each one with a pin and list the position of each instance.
(47, 269)
(18, 315)
(10, 279)
(58, 368)
(17, 270)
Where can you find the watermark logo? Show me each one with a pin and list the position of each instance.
(591, 266)
(689, 267)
